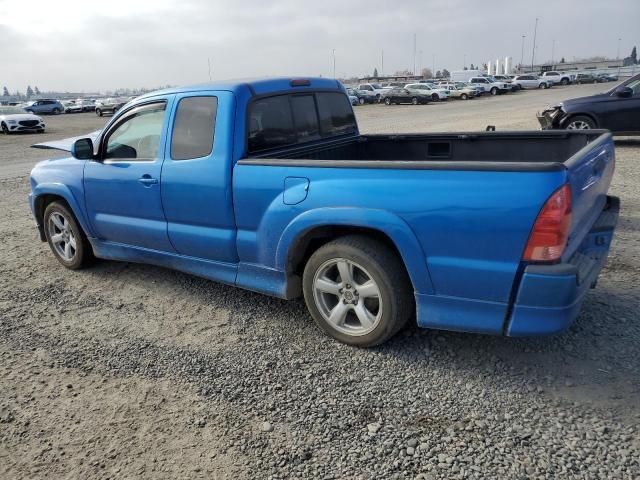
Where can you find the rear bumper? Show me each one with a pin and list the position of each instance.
(550, 296)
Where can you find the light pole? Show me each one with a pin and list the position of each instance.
(618, 54)
(464, 62)
(414, 53)
(533, 48)
(382, 67)
(333, 52)
(433, 72)
(553, 50)
(522, 54)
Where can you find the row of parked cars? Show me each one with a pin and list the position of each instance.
(464, 87)
(24, 117)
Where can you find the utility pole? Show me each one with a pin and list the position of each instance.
(618, 54)
(533, 49)
(382, 68)
(522, 54)
(209, 63)
(433, 72)
(414, 53)
(333, 52)
(420, 64)
(553, 50)
(464, 62)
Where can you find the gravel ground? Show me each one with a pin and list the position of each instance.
(124, 370)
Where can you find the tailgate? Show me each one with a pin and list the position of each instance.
(589, 172)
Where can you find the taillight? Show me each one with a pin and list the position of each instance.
(551, 230)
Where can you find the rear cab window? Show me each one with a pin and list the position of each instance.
(297, 118)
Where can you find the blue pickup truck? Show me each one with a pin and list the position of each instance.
(268, 185)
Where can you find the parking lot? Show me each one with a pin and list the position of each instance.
(133, 371)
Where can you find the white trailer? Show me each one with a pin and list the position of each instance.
(465, 75)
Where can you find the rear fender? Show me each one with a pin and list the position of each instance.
(383, 221)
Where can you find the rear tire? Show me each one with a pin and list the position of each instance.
(414, 101)
(335, 280)
(464, 96)
(435, 97)
(564, 81)
(98, 112)
(387, 101)
(66, 239)
(361, 101)
(56, 111)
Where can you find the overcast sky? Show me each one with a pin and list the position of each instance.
(88, 45)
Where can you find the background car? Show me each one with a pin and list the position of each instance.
(557, 78)
(51, 106)
(404, 95)
(15, 119)
(434, 92)
(363, 96)
(109, 105)
(617, 110)
(463, 93)
(70, 106)
(479, 89)
(585, 78)
(531, 81)
(352, 99)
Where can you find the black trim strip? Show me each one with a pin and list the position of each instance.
(408, 164)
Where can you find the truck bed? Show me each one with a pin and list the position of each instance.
(503, 151)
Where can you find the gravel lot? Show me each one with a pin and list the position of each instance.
(133, 371)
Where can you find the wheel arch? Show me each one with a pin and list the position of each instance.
(46, 194)
(312, 229)
(571, 115)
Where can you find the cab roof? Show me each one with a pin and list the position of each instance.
(256, 86)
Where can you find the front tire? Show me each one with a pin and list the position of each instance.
(580, 122)
(5, 129)
(56, 111)
(358, 291)
(464, 96)
(361, 101)
(98, 112)
(66, 239)
(494, 91)
(414, 101)
(564, 82)
(387, 101)
(435, 97)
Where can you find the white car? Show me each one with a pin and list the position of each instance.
(491, 85)
(16, 119)
(557, 78)
(71, 106)
(436, 93)
(531, 81)
(375, 89)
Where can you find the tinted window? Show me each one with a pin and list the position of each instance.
(138, 136)
(305, 118)
(336, 114)
(194, 128)
(270, 123)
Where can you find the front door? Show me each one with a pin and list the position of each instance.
(122, 187)
(622, 114)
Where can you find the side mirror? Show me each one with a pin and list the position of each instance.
(82, 149)
(624, 92)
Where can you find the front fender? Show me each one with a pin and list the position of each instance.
(386, 222)
(60, 190)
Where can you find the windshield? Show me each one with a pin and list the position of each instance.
(377, 86)
(11, 110)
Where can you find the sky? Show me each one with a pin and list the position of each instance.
(97, 46)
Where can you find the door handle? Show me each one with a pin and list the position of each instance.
(147, 180)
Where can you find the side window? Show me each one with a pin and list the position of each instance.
(336, 114)
(635, 86)
(137, 137)
(305, 118)
(193, 128)
(270, 124)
